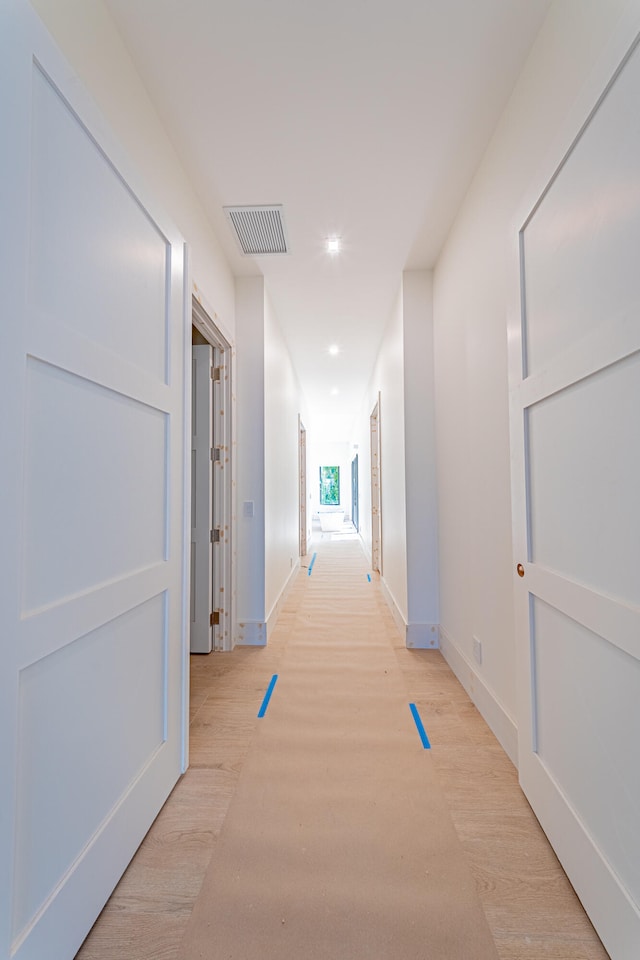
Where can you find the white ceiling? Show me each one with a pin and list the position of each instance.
(364, 118)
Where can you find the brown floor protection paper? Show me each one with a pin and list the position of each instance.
(338, 844)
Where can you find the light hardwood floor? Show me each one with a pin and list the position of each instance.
(531, 908)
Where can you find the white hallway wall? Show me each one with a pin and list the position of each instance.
(470, 306)
(269, 401)
(403, 378)
(250, 452)
(388, 382)
(423, 614)
(283, 403)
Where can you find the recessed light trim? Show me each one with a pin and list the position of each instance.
(334, 245)
(334, 350)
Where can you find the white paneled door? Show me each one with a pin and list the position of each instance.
(92, 503)
(575, 415)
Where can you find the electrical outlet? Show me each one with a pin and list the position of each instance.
(477, 650)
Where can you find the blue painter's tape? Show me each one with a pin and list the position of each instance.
(267, 696)
(420, 726)
(369, 577)
(313, 560)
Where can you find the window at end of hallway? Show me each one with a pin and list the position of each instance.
(330, 486)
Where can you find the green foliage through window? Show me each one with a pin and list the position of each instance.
(330, 486)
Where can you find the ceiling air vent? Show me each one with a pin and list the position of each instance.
(259, 230)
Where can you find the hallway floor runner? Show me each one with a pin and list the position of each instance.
(338, 844)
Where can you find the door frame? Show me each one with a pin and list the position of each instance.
(302, 486)
(376, 488)
(224, 590)
(355, 493)
(203, 549)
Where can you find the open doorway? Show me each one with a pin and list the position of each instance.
(212, 607)
(376, 488)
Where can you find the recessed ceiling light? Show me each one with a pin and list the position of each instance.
(335, 392)
(334, 349)
(333, 245)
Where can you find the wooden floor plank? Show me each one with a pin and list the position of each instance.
(530, 906)
(532, 910)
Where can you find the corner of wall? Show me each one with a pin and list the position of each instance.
(250, 459)
(417, 636)
(420, 470)
(251, 633)
(423, 636)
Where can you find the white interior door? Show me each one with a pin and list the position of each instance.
(201, 499)
(92, 507)
(575, 413)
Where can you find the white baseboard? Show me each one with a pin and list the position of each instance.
(256, 633)
(274, 613)
(494, 713)
(365, 549)
(252, 633)
(396, 613)
(423, 636)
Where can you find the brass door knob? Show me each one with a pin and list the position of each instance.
(520, 570)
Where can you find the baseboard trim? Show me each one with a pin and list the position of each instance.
(274, 613)
(366, 552)
(396, 613)
(252, 633)
(423, 636)
(494, 713)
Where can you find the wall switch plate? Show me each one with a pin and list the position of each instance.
(477, 650)
(247, 508)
